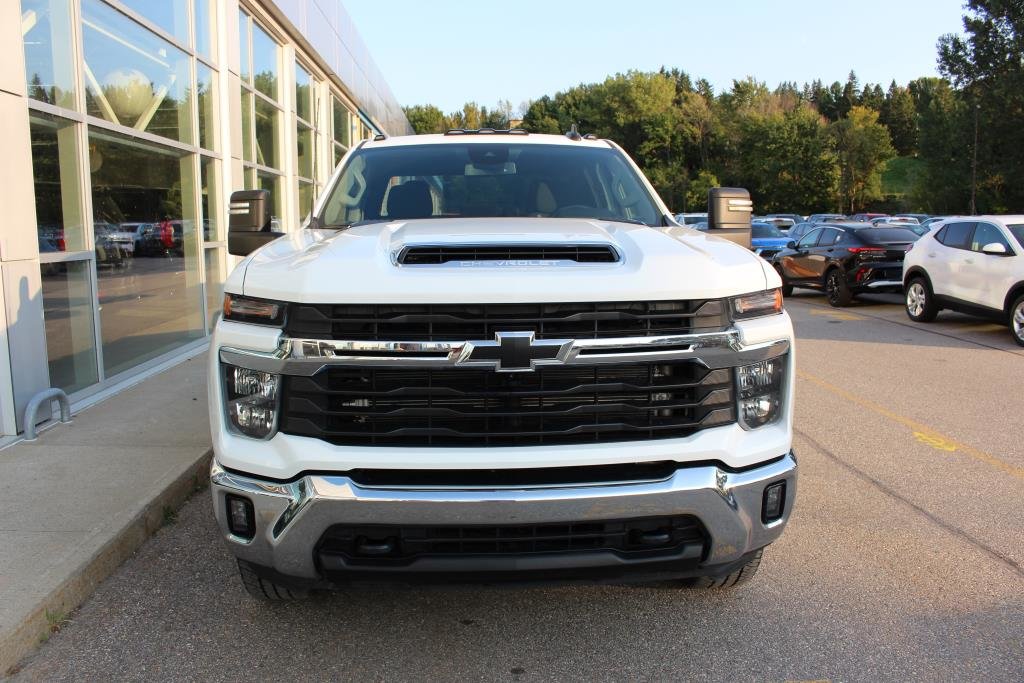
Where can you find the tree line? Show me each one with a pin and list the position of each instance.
(813, 147)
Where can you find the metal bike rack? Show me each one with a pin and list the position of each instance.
(45, 397)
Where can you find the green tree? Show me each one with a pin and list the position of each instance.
(943, 186)
(862, 146)
(697, 191)
(985, 64)
(426, 118)
(899, 115)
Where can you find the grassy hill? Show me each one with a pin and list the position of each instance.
(899, 176)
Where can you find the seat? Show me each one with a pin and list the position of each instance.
(411, 199)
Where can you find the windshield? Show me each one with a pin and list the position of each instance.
(488, 180)
(1017, 231)
(764, 230)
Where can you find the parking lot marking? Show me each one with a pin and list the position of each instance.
(838, 315)
(922, 432)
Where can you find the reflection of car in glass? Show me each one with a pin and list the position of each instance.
(846, 260)
(161, 239)
(766, 240)
(110, 249)
(129, 234)
(972, 265)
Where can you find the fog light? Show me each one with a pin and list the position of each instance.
(241, 517)
(774, 502)
(760, 392)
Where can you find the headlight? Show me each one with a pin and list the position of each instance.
(760, 389)
(245, 309)
(251, 401)
(768, 302)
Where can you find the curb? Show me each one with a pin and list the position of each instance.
(22, 640)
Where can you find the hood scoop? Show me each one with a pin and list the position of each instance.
(506, 254)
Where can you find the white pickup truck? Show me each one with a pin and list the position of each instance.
(495, 355)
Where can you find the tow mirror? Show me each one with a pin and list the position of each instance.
(996, 248)
(729, 210)
(249, 222)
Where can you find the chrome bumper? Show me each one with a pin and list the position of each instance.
(291, 517)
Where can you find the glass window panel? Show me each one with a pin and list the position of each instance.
(214, 284)
(338, 154)
(151, 303)
(68, 316)
(132, 77)
(266, 133)
(55, 176)
(271, 183)
(209, 186)
(305, 200)
(49, 67)
(305, 149)
(248, 154)
(169, 15)
(303, 94)
(339, 114)
(205, 16)
(264, 62)
(206, 95)
(244, 48)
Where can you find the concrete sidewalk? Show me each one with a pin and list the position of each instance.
(78, 501)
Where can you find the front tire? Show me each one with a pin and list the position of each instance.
(266, 590)
(1017, 320)
(920, 302)
(736, 578)
(836, 289)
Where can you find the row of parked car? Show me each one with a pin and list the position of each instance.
(970, 264)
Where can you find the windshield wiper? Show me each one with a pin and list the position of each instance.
(315, 224)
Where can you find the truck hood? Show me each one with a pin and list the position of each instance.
(358, 265)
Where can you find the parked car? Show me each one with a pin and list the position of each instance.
(110, 250)
(767, 240)
(971, 265)
(919, 217)
(690, 218)
(130, 234)
(702, 226)
(894, 220)
(844, 261)
(867, 217)
(933, 220)
(154, 240)
(799, 230)
(824, 217)
(379, 412)
(795, 217)
(783, 224)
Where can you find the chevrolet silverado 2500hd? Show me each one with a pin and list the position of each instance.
(495, 355)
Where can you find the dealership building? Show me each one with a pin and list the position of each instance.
(126, 125)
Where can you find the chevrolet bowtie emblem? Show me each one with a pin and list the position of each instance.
(515, 352)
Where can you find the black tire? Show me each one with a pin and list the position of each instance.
(263, 589)
(787, 289)
(1017, 320)
(836, 290)
(736, 578)
(919, 301)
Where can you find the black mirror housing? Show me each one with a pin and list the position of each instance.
(729, 210)
(249, 222)
(791, 245)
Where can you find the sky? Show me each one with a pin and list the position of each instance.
(448, 52)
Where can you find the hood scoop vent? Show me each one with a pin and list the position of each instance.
(506, 254)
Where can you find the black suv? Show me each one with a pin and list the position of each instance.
(845, 260)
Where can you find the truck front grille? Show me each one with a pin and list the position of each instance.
(373, 406)
(459, 322)
(380, 544)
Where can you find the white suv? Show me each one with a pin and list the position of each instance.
(972, 265)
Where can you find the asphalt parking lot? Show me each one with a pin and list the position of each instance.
(903, 559)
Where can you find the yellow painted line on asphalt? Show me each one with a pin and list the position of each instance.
(838, 315)
(922, 432)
